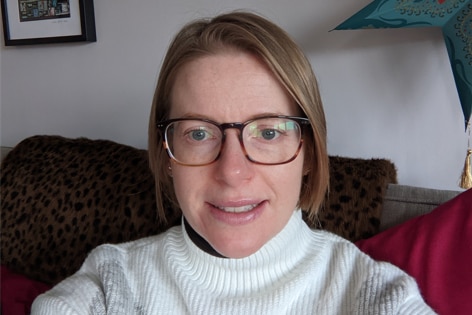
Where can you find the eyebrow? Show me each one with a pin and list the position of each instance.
(260, 115)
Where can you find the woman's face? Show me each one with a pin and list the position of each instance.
(235, 205)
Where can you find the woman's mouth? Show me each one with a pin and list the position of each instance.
(240, 209)
(238, 214)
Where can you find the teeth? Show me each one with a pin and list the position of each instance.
(238, 209)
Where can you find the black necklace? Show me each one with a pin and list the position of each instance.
(200, 242)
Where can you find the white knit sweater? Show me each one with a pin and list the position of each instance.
(299, 271)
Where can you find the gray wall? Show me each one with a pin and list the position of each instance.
(387, 93)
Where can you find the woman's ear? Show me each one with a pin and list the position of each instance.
(169, 169)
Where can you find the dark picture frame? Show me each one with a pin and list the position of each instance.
(29, 22)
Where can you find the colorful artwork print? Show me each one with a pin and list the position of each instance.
(34, 10)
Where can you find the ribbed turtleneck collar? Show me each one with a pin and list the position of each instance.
(276, 260)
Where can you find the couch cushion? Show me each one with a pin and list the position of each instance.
(4, 152)
(62, 197)
(18, 292)
(357, 189)
(436, 249)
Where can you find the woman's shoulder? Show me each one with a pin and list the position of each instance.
(332, 240)
(373, 280)
(347, 253)
(136, 248)
(343, 250)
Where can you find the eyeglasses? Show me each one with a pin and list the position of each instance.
(268, 140)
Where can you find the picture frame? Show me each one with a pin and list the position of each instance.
(29, 22)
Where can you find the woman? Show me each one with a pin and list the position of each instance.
(237, 140)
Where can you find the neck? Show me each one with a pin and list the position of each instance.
(200, 242)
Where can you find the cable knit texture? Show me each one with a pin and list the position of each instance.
(299, 271)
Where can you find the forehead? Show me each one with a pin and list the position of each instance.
(228, 85)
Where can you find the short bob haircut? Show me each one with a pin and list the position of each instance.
(251, 33)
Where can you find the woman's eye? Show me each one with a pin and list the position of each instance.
(198, 135)
(269, 134)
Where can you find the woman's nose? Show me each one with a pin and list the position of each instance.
(233, 166)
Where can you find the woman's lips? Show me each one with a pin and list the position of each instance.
(238, 215)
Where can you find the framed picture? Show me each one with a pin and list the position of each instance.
(27, 22)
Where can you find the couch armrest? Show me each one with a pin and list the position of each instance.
(403, 202)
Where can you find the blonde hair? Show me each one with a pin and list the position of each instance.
(251, 33)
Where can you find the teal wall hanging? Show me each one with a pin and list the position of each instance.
(453, 16)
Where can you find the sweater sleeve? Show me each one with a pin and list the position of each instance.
(388, 290)
(80, 294)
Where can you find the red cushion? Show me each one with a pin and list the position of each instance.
(436, 249)
(18, 292)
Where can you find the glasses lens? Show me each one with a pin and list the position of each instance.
(193, 142)
(272, 140)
